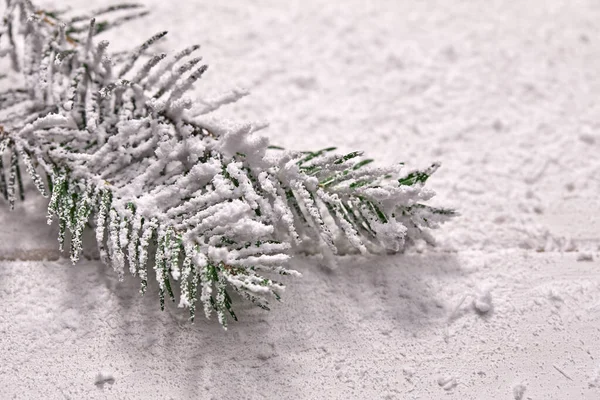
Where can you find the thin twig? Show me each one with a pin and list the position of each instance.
(562, 372)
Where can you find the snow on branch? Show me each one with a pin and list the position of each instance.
(211, 208)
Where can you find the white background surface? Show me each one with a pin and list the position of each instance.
(504, 94)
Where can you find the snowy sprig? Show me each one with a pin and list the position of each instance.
(208, 205)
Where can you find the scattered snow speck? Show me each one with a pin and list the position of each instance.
(483, 302)
(447, 382)
(519, 391)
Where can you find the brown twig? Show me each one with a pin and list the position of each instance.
(47, 20)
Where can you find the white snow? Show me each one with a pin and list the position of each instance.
(447, 382)
(483, 301)
(503, 94)
(519, 391)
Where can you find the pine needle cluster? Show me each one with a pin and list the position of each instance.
(206, 207)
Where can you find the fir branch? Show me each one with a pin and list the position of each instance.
(211, 207)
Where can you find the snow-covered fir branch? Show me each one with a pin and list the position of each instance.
(210, 207)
